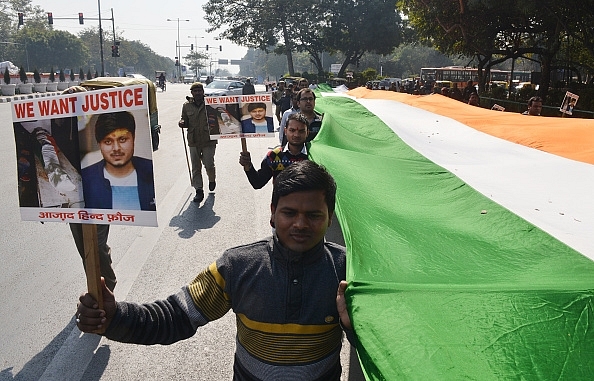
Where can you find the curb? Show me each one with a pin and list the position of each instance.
(5, 99)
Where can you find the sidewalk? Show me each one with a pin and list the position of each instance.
(19, 97)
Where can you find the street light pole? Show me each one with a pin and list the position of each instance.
(178, 47)
(196, 47)
(195, 40)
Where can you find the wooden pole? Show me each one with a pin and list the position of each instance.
(187, 160)
(244, 149)
(92, 265)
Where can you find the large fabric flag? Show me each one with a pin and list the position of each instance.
(469, 235)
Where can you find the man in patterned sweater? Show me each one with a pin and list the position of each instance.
(287, 292)
(280, 157)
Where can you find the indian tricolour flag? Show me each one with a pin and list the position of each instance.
(470, 237)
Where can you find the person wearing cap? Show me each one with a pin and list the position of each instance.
(202, 148)
(120, 180)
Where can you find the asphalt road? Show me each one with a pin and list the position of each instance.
(42, 276)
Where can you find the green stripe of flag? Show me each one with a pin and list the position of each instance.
(445, 284)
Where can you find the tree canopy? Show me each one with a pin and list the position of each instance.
(495, 32)
(313, 26)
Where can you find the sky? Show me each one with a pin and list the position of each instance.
(146, 21)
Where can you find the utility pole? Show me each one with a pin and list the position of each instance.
(178, 48)
(81, 21)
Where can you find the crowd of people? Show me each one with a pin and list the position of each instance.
(469, 94)
(303, 199)
(302, 206)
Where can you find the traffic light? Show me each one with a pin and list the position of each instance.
(176, 62)
(81, 20)
(21, 17)
(206, 47)
(221, 48)
(192, 47)
(115, 51)
(50, 18)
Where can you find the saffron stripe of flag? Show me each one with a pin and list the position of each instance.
(469, 255)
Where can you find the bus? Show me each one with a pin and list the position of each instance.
(461, 75)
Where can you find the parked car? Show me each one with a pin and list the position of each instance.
(221, 87)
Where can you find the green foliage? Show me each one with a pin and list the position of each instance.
(132, 53)
(498, 92)
(6, 75)
(369, 74)
(313, 26)
(196, 60)
(62, 77)
(52, 76)
(36, 76)
(45, 48)
(72, 75)
(81, 74)
(89, 75)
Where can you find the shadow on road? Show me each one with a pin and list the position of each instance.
(98, 364)
(36, 367)
(195, 218)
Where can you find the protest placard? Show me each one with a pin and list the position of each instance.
(86, 157)
(568, 104)
(240, 116)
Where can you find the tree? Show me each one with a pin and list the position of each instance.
(6, 75)
(46, 48)
(259, 24)
(23, 75)
(492, 32)
(356, 27)
(408, 59)
(195, 60)
(133, 53)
